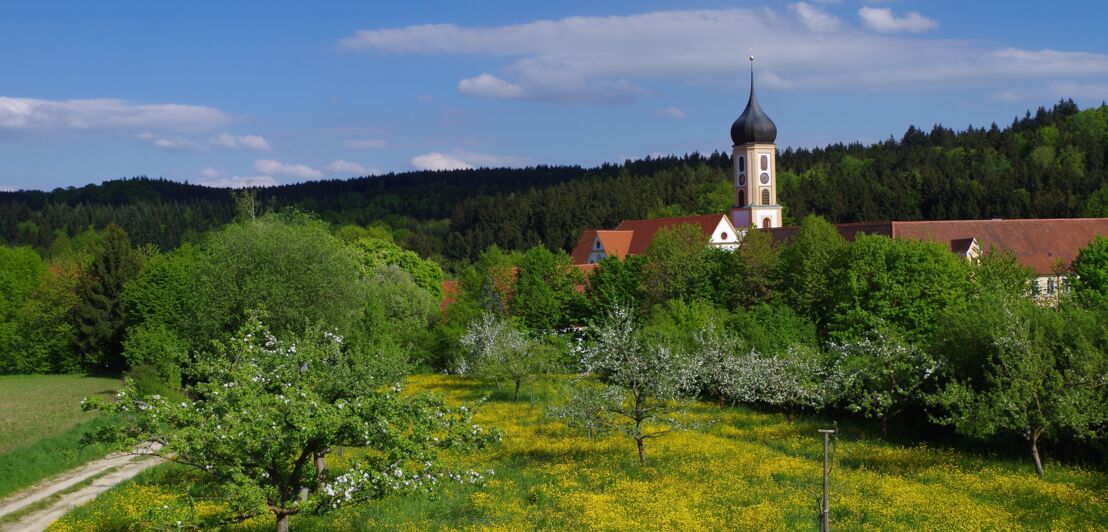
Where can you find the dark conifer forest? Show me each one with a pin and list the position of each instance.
(1050, 163)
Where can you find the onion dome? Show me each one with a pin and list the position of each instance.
(753, 125)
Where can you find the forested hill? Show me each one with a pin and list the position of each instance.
(1047, 164)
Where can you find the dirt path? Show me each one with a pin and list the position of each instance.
(112, 470)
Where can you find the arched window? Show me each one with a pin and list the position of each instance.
(766, 223)
(742, 198)
(765, 163)
(742, 163)
(765, 196)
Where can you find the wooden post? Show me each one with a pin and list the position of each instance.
(824, 509)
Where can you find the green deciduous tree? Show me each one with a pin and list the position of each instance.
(1043, 375)
(287, 265)
(902, 282)
(677, 265)
(546, 296)
(808, 267)
(615, 283)
(376, 252)
(265, 412)
(752, 270)
(1090, 269)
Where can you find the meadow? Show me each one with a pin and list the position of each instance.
(41, 424)
(746, 470)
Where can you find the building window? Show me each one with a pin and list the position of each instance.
(765, 196)
(1036, 290)
(766, 223)
(742, 198)
(723, 235)
(597, 244)
(1050, 288)
(742, 163)
(765, 163)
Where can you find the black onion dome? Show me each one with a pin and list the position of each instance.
(753, 125)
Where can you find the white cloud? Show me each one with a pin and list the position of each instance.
(364, 144)
(671, 112)
(882, 19)
(210, 173)
(273, 167)
(616, 58)
(490, 86)
(815, 18)
(172, 143)
(238, 182)
(464, 160)
(346, 167)
(42, 116)
(439, 161)
(244, 142)
(5, 188)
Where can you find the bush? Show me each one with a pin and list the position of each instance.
(158, 350)
(148, 381)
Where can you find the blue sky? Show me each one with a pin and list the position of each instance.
(233, 93)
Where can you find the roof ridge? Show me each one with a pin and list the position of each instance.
(1005, 220)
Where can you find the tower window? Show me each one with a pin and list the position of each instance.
(742, 163)
(765, 162)
(765, 196)
(742, 198)
(766, 223)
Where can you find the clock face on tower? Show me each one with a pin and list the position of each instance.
(764, 178)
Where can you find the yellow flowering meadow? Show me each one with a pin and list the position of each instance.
(746, 470)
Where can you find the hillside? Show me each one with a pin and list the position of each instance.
(1048, 164)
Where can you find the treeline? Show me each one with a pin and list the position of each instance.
(1047, 164)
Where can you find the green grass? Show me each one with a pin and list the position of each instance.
(41, 425)
(34, 407)
(749, 470)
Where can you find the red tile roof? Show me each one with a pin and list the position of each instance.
(581, 251)
(616, 243)
(1039, 244)
(646, 229)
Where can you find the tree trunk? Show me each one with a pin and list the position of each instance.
(516, 397)
(1033, 439)
(884, 427)
(721, 401)
(642, 452)
(282, 522)
(789, 416)
(320, 465)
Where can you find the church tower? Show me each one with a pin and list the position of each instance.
(754, 163)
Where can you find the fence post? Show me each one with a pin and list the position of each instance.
(824, 509)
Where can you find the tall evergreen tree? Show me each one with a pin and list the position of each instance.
(99, 313)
